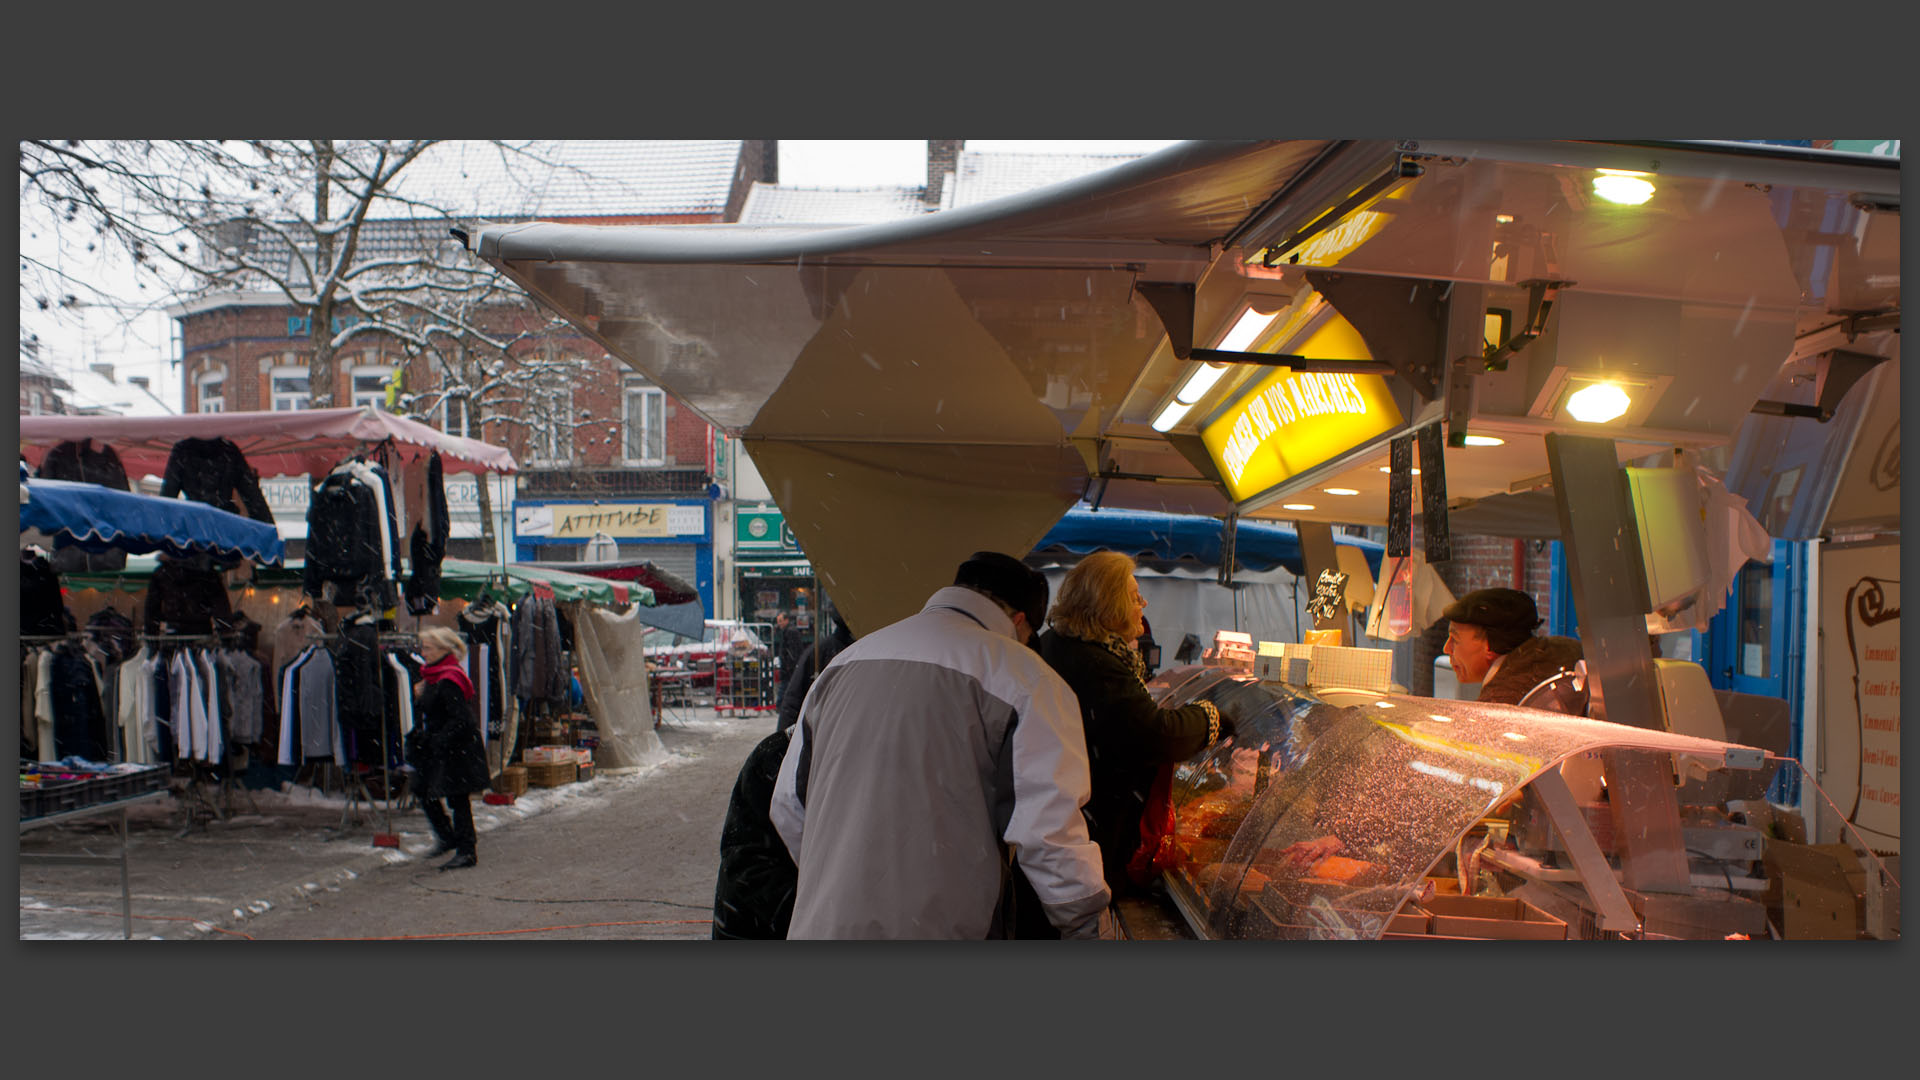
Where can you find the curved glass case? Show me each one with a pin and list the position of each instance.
(1327, 811)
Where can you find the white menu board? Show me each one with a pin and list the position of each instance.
(1860, 687)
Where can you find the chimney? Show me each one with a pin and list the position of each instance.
(105, 371)
(943, 157)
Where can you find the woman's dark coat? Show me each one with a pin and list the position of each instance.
(1128, 739)
(444, 747)
(754, 896)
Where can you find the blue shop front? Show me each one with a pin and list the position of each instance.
(675, 534)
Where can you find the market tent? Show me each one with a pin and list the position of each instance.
(279, 443)
(1148, 535)
(466, 579)
(676, 609)
(610, 650)
(99, 518)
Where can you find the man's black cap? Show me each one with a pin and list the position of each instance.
(1496, 609)
(1021, 586)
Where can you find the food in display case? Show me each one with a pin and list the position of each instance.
(1335, 813)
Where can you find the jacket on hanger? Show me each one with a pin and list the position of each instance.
(211, 471)
(90, 464)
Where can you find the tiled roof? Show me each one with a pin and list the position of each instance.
(779, 204)
(577, 177)
(982, 177)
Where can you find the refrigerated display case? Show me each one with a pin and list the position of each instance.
(1335, 813)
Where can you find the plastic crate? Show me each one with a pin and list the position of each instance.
(55, 798)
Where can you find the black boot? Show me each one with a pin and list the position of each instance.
(460, 861)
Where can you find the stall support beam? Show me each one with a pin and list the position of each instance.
(1609, 581)
(1616, 911)
(1602, 546)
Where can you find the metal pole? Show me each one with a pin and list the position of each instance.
(126, 892)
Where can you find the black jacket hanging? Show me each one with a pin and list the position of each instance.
(211, 471)
(41, 610)
(183, 598)
(86, 463)
(359, 700)
(428, 544)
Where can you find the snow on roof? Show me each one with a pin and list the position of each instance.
(781, 204)
(983, 176)
(576, 177)
(96, 394)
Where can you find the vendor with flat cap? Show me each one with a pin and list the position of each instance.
(1491, 642)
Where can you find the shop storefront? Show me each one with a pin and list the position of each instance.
(772, 575)
(674, 534)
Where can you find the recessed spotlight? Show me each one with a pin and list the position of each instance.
(1623, 187)
(1483, 440)
(1296, 506)
(1389, 469)
(1504, 219)
(1341, 491)
(1598, 403)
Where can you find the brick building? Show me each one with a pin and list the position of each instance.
(583, 426)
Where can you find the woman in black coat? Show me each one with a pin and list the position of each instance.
(444, 747)
(1095, 623)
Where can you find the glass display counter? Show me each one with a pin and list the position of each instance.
(1352, 814)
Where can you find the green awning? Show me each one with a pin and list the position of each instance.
(460, 579)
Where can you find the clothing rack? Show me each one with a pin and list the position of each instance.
(49, 639)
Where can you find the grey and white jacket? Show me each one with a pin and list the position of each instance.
(919, 752)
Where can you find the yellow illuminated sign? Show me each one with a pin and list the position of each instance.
(1291, 421)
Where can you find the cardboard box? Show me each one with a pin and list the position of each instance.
(1410, 919)
(1492, 917)
(1700, 917)
(511, 781)
(1820, 890)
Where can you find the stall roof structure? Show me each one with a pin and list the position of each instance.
(280, 443)
(917, 389)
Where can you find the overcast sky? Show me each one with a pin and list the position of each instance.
(145, 347)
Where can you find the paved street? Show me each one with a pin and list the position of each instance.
(618, 857)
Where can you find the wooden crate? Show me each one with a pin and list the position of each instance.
(552, 775)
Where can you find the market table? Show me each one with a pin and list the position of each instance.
(119, 806)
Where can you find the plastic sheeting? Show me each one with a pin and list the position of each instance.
(613, 677)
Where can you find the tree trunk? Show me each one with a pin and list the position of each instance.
(320, 313)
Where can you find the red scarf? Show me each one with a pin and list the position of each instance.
(451, 670)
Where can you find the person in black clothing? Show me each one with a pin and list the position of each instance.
(811, 663)
(788, 643)
(754, 896)
(1096, 622)
(444, 747)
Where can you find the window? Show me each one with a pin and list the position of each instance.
(550, 428)
(646, 425)
(291, 388)
(457, 416)
(370, 384)
(211, 391)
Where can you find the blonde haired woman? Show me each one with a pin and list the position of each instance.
(1095, 621)
(444, 747)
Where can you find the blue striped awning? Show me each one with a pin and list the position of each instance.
(1145, 534)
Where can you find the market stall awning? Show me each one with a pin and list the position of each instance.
(466, 579)
(958, 380)
(99, 518)
(1145, 534)
(279, 443)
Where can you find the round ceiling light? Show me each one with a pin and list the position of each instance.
(1622, 187)
(1598, 403)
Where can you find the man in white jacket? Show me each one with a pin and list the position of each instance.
(923, 754)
